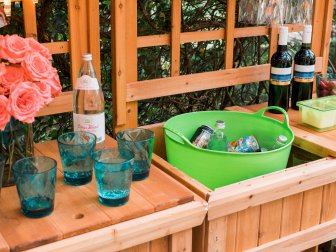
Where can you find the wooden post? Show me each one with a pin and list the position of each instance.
(29, 18)
(175, 37)
(229, 33)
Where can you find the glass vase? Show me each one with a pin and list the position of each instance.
(16, 142)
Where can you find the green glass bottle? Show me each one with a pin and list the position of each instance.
(281, 74)
(303, 79)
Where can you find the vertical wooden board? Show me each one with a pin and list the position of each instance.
(317, 23)
(328, 19)
(29, 18)
(176, 9)
(199, 236)
(94, 34)
(118, 35)
(231, 232)
(291, 214)
(4, 247)
(229, 33)
(78, 33)
(273, 41)
(216, 234)
(181, 241)
(247, 228)
(161, 245)
(140, 248)
(311, 208)
(270, 221)
(159, 143)
(329, 203)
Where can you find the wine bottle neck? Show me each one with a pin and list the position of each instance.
(282, 48)
(87, 69)
(306, 46)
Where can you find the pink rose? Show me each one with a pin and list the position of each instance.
(4, 112)
(25, 101)
(45, 90)
(13, 48)
(37, 67)
(37, 47)
(2, 69)
(14, 75)
(54, 83)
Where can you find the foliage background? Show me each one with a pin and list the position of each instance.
(154, 62)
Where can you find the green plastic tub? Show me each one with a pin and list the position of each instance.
(216, 169)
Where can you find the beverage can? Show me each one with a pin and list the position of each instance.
(247, 144)
(202, 136)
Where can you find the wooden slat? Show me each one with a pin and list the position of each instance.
(60, 104)
(153, 40)
(134, 232)
(247, 228)
(291, 214)
(189, 37)
(272, 188)
(301, 240)
(216, 236)
(176, 7)
(159, 245)
(140, 248)
(78, 33)
(229, 33)
(94, 34)
(328, 20)
(29, 18)
(317, 23)
(329, 203)
(57, 47)
(273, 42)
(196, 82)
(4, 247)
(118, 34)
(181, 241)
(311, 208)
(231, 232)
(270, 221)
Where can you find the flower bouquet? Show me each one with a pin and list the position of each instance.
(28, 81)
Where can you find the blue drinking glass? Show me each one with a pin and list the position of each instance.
(35, 179)
(141, 143)
(76, 150)
(113, 171)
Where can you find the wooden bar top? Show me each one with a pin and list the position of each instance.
(77, 209)
(320, 143)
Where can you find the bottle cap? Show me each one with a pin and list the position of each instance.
(220, 124)
(87, 56)
(283, 35)
(307, 28)
(306, 36)
(282, 139)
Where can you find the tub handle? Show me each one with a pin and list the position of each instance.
(182, 138)
(262, 111)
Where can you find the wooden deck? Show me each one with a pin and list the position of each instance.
(77, 211)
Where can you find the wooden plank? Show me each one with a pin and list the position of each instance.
(57, 47)
(328, 203)
(159, 245)
(134, 232)
(19, 231)
(196, 82)
(118, 35)
(198, 238)
(4, 247)
(301, 240)
(176, 10)
(189, 37)
(328, 20)
(29, 18)
(181, 241)
(317, 23)
(273, 42)
(231, 232)
(247, 228)
(216, 234)
(94, 34)
(272, 188)
(229, 33)
(140, 248)
(311, 208)
(61, 104)
(270, 221)
(153, 40)
(78, 32)
(291, 214)
(159, 143)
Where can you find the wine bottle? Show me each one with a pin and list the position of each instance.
(302, 87)
(281, 74)
(88, 102)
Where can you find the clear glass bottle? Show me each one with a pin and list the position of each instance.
(280, 142)
(218, 140)
(88, 102)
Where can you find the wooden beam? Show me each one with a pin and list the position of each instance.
(229, 33)
(29, 18)
(274, 187)
(57, 47)
(196, 82)
(60, 104)
(301, 240)
(134, 232)
(175, 37)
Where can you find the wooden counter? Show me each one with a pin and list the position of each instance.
(158, 206)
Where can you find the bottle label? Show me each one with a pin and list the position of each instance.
(94, 124)
(281, 76)
(304, 73)
(86, 82)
